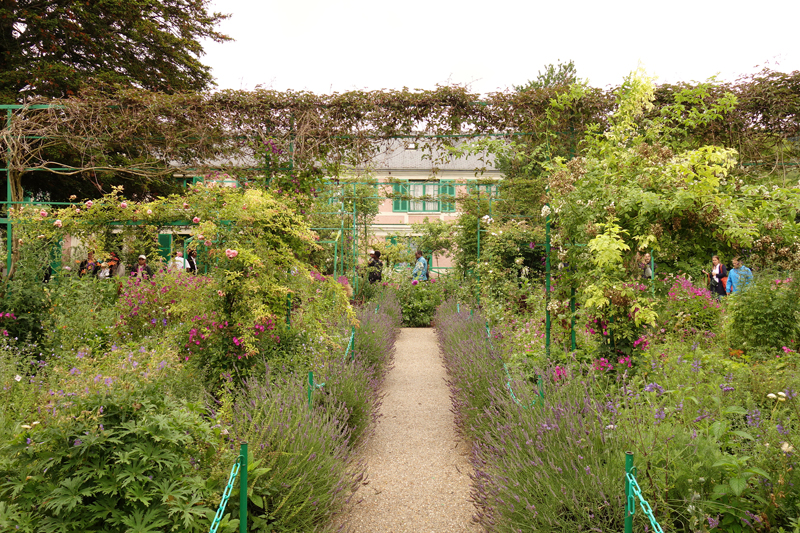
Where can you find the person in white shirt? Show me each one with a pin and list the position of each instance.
(179, 263)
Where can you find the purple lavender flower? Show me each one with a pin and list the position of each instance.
(661, 414)
(654, 387)
(696, 365)
(713, 522)
(753, 418)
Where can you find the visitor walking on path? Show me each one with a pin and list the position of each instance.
(420, 272)
(718, 277)
(417, 467)
(739, 276)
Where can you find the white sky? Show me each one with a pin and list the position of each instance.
(325, 45)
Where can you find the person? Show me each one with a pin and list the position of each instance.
(646, 266)
(88, 265)
(739, 276)
(420, 272)
(178, 263)
(104, 270)
(375, 267)
(142, 270)
(191, 262)
(718, 277)
(115, 265)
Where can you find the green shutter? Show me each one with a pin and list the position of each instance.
(400, 205)
(165, 245)
(447, 190)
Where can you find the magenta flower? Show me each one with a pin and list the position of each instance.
(414, 282)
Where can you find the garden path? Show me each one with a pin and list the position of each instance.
(417, 466)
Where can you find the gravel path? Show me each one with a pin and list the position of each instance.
(417, 468)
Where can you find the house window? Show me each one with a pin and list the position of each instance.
(483, 189)
(433, 197)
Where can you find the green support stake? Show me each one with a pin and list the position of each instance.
(572, 320)
(547, 284)
(310, 387)
(243, 488)
(630, 504)
(289, 310)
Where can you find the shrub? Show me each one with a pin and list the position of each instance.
(766, 314)
(302, 470)
(119, 461)
(689, 308)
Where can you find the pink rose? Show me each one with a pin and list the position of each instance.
(196, 220)
(185, 205)
(57, 223)
(231, 253)
(43, 213)
(207, 243)
(123, 205)
(149, 211)
(77, 210)
(89, 204)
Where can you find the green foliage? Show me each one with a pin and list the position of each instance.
(419, 300)
(621, 306)
(301, 470)
(121, 461)
(81, 313)
(65, 46)
(766, 315)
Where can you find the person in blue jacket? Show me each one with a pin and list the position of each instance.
(738, 277)
(420, 272)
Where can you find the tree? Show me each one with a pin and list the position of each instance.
(54, 48)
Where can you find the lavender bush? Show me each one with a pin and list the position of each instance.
(714, 441)
(302, 470)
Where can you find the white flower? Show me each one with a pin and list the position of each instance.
(17, 378)
(782, 394)
(771, 396)
(786, 447)
(546, 210)
(611, 426)
(25, 426)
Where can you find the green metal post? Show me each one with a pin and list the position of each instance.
(310, 387)
(628, 494)
(572, 320)
(289, 310)
(652, 274)
(355, 243)
(478, 261)
(243, 488)
(547, 283)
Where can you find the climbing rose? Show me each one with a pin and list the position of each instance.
(196, 220)
(231, 253)
(185, 205)
(57, 223)
(207, 243)
(149, 211)
(123, 205)
(43, 213)
(89, 204)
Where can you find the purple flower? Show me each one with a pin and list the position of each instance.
(654, 387)
(414, 282)
(77, 442)
(74, 371)
(661, 414)
(753, 418)
(696, 365)
(713, 522)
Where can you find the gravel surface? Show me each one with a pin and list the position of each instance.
(417, 468)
